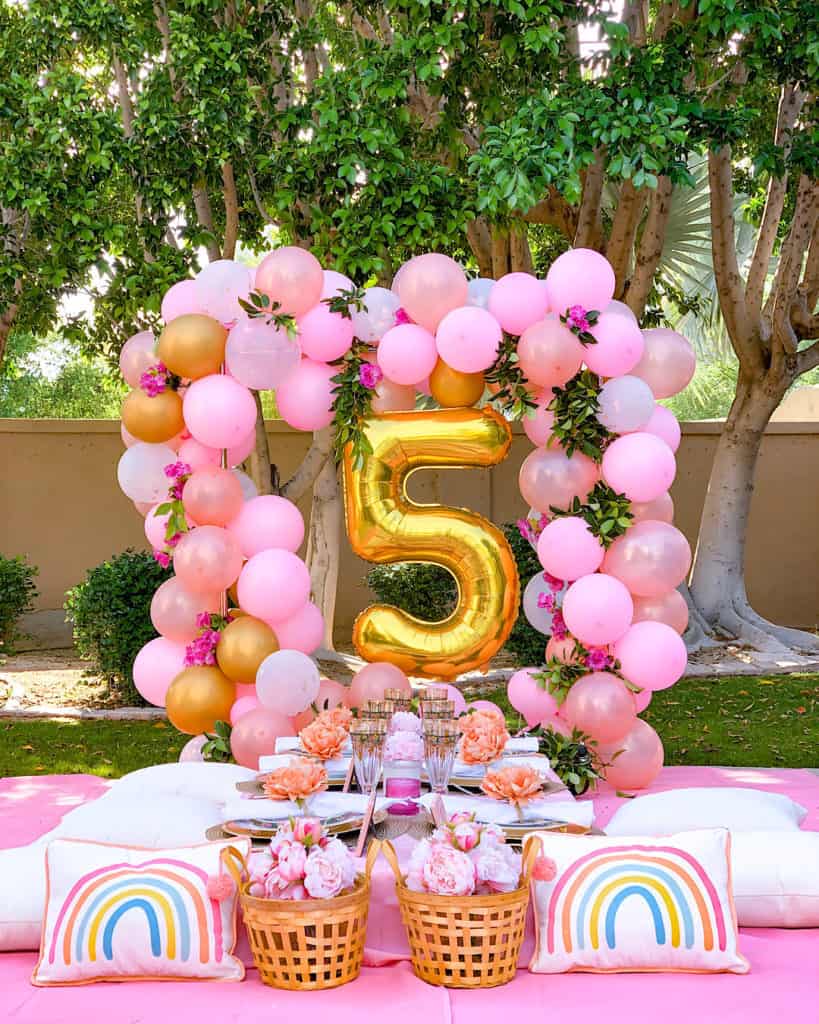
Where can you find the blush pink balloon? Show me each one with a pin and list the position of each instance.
(207, 559)
(261, 355)
(292, 277)
(564, 650)
(212, 496)
(468, 339)
(334, 283)
(303, 631)
(242, 706)
(517, 301)
(650, 558)
(198, 455)
(219, 287)
(621, 309)
(597, 609)
(665, 425)
(600, 705)
(156, 666)
(668, 362)
(174, 610)
(392, 397)
(219, 411)
(274, 584)
(529, 698)
(137, 354)
(642, 700)
(268, 521)
(245, 690)
(370, 682)
(305, 396)
(638, 760)
(239, 452)
(580, 277)
(180, 299)
(549, 353)
(407, 354)
(652, 655)
(323, 334)
(330, 695)
(457, 698)
(143, 507)
(154, 527)
(639, 465)
(128, 438)
(550, 477)
(431, 286)
(488, 706)
(669, 608)
(662, 508)
(538, 427)
(255, 735)
(557, 724)
(619, 346)
(287, 682)
(568, 549)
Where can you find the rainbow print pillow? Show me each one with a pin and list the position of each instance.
(647, 904)
(126, 913)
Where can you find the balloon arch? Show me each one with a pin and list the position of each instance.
(235, 621)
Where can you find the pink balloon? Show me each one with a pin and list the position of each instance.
(557, 724)
(652, 655)
(274, 584)
(268, 521)
(255, 735)
(625, 404)
(638, 760)
(245, 690)
(239, 452)
(640, 465)
(334, 283)
(564, 650)
(661, 508)
(180, 299)
(378, 316)
(154, 527)
(305, 396)
(528, 697)
(219, 287)
(303, 631)
(391, 397)
(600, 705)
(287, 682)
(156, 666)
(517, 301)
(431, 286)
(486, 705)
(207, 559)
(665, 425)
(128, 439)
(261, 355)
(650, 558)
(597, 609)
(642, 700)
(468, 339)
(549, 353)
(174, 610)
(568, 549)
(324, 335)
(330, 695)
(457, 698)
(242, 706)
(539, 425)
(407, 354)
(550, 477)
(621, 309)
(292, 277)
(370, 682)
(619, 346)
(219, 411)
(668, 362)
(669, 608)
(138, 353)
(212, 496)
(580, 277)
(191, 753)
(198, 455)
(143, 507)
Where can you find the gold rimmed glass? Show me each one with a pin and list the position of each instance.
(367, 737)
(440, 742)
(437, 709)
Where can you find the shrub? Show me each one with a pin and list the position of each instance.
(17, 593)
(524, 641)
(111, 615)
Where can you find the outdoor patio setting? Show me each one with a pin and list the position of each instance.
(408, 591)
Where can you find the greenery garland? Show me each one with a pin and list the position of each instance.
(513, 397)
(607, 513)
(575, 407)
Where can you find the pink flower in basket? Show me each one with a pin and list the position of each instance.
(498, 869)
(324, 875)
(466, 835)
(448, 872)
(406, 721)
(292, 859)
(307, 831)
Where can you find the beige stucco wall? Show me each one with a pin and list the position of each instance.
(60, 506)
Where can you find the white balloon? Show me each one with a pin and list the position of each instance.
(478, 291)
(220, 285)
(141, 471)
(287, 682)
(540, 618)
(626, 404)
(249, 489)
(377, 316)
(335, 283)
(192, 751)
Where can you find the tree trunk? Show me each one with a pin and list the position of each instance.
(324, 545)
(260, 456)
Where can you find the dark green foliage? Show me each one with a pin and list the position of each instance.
(17, 593)
(570, 758)
(524, 641)
(110, 612)
(426, 591)
(217, 745)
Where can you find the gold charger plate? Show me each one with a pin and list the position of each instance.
(254, 828)
(519, 830)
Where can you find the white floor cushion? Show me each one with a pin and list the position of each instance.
(776, 879)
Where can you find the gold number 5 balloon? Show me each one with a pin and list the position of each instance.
(384, 525)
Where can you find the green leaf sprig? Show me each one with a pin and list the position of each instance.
(607, 513)
(558, 677)
(217, 745)
(346, 302)
(258, 306)
(575, 407)
(572, 758)
(513, 398)
(352, 404)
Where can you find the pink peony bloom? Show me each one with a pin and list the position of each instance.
(498, 869)
(459, 817)
(337, 852)
(466, 835)
(404, 746)
(406, 721)
(291, 860)
(370, 375)
(284, 834)
(307, 831)
(323, 877)
(448, 872)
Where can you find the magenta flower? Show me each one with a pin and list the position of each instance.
(203, 620)
(402, 316)
(370, 375)
(162, 557)
(559, 630)
(598, 659)
(154, 380)
(177, 470)
(553, 582)
(525, 529)
(546, 601)
(576, 320)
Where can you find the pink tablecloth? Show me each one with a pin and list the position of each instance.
(783, 983)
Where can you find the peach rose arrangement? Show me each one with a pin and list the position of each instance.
(516, 784)
(464, 858)
(296, 781)
(300, 863)
(326, 736)
(484, 736)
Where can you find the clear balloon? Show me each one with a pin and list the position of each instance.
(537, 614)
(174, 610)
(138, 353)
(538, 426)
(601, 706)
(597, 609)
(305, 396)
(635, 760)
(292, 277)
(568, 549)
(664, 424)
(517, 301)
(650, 558)
(639, 465)
(468, 339)
(626, 404)
(580, 277)
(255, 735)
(549, 353)
(274, 584)
(180, 299)
(370, 682)
(407, 354)
(477, 292)
(529, 698)
(141, 471)
(378, 316)
(550, 477)
(670, 608)
(431, 285)
(219, 411)
(619, 346)
(212, 496)
(219, 287)
(158, 663)
(207, 559)
(268, 521)
(260, 355)
(303, 631)
(323, 334)
(652, 655)
(287, 682)
(668, 362)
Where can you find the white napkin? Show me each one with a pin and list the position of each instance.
(477, 771)
(521, 745)
(575, 812)
(336, 768)
(323, 805)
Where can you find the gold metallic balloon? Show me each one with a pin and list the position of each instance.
(385, 526)
(155, 419)
(453, 389)
(198, 698)
(243, 646)
(193, 346)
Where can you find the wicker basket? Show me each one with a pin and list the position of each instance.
(465, 941)
(306, 944)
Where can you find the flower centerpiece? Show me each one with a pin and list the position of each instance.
(403, 755)
(301, 862)
(296, 781)
(326, 736)
(518, 785)
(484, 737)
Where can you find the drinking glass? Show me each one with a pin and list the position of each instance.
(437, 710)
(367, 738)
(440, 741)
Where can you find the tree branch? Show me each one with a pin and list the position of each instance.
(807, 359)
(257, 198)
(635, 18)
(480, 242)
(589, 231)
(553, 210)
(623, 232)
(231, 200)
(311, 465)
(520, 255)
(204, 214)
(650, 248)
(786, 286)
(810, 282)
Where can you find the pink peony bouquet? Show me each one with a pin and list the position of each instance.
(403, 746)
(301, 863)
(464, 858)
(405, 721)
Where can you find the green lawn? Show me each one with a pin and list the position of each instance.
(741, 720)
